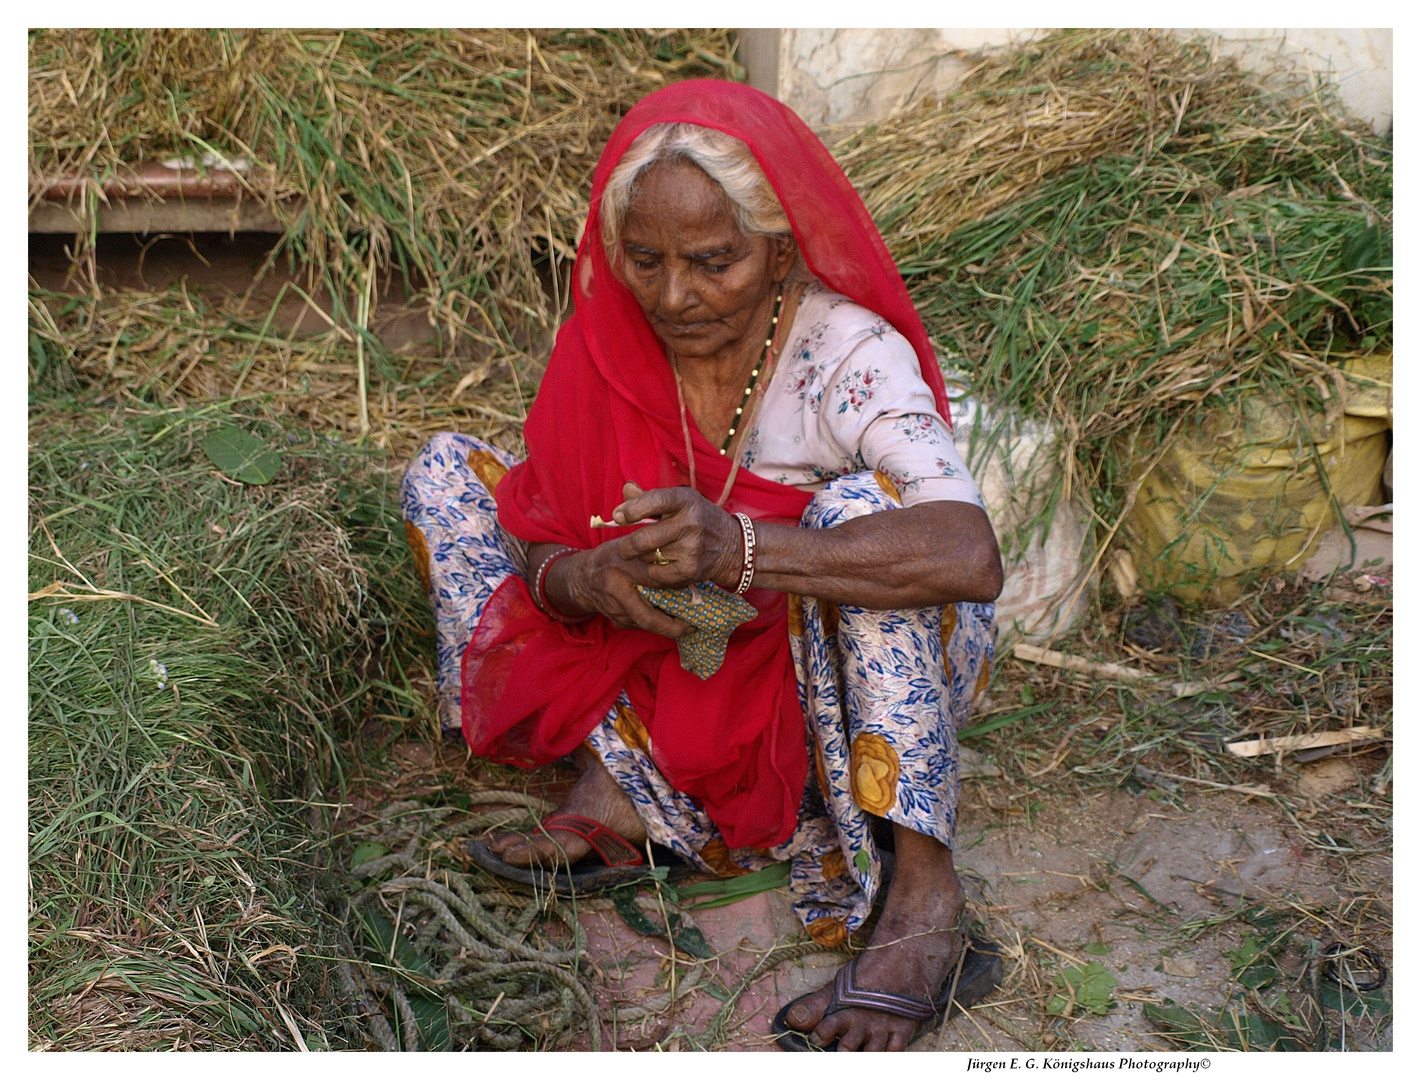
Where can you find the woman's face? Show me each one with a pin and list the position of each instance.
(703, 284)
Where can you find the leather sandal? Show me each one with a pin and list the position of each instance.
(981, 974)
(612, 862)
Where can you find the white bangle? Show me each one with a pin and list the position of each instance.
(748, 573)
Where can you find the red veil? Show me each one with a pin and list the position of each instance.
(606, 413)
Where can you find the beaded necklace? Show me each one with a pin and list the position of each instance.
(740, 418)
(754, 374)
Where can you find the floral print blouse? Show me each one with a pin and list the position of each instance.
(848, 396)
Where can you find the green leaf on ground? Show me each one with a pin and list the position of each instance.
(242, 456)
(997, 722)
(1182, 1026)
(385, 945)
(715, 990)
(1253, 964)
(1087, 989)
(1096, 948)
(1369, 1002)
(364, 853)
(431, 1016)
(624, 900)
(729, 890)
(1230, 1030)
(688, 938)
(1256, 1033)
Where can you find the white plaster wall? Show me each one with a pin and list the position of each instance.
(832, 76)
(1359, 60)
(842, 76)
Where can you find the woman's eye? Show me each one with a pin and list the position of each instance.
(712, 268)
(644, 264)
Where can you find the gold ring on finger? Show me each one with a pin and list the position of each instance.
(662, 560)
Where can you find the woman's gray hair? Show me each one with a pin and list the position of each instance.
(724, 158)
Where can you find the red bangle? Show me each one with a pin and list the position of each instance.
(540, 596)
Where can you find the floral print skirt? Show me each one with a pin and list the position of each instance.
(884, 692)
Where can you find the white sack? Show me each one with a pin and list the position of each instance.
(1015, 464)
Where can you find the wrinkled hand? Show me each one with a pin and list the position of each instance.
(700, 540)
(600, 580)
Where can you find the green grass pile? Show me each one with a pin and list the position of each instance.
(1116, 230)
(199, 648)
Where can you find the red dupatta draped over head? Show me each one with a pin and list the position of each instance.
(606, 413)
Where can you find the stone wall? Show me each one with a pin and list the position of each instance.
(842, 76)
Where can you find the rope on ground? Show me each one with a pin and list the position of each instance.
(443, 903)
(451, 958)
(409, 1026)
(657, 1005)
(379, 1027)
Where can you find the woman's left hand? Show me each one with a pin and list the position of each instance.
(699, 540)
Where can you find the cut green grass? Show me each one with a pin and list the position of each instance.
(1117, 231)
(198, 650)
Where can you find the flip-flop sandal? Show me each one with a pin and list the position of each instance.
(619, 861)
(981, 974)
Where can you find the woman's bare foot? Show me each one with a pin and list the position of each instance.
(596, 796)
(913, 949)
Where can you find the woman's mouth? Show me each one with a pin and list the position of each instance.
(685, 330)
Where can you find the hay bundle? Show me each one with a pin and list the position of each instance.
(458, 161)
(1111, 230)
(460, 158)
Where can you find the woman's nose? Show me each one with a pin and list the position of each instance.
(678, 292)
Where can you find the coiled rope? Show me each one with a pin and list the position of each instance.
(454, 960)
(509, 971)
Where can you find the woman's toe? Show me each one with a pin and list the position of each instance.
(805, 1015)
(501, 842)
(515, 853)
(801, 1016)
(832, 1029)
(853, 1037)
(877, 1041)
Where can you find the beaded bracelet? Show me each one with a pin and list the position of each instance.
(748, 573)
(540, 597)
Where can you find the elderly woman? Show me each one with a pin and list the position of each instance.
(768, 653)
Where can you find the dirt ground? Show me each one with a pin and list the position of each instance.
(1136, 876)
(1158, 890)
(1053, 884)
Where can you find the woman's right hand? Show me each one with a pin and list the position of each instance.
(600, 581)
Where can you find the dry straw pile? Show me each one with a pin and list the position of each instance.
(182, 345)
(457, 161)
(1104, 228)
(1110, 230)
